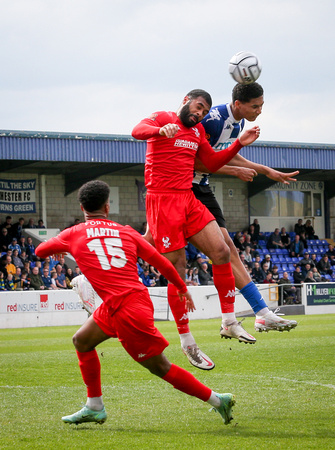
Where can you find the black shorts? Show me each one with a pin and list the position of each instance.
(207, 198)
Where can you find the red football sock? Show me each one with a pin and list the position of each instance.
(225, 284)
(90, 368)
(185, 382)
(178, 309)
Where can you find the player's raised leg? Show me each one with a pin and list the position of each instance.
(180, 313)
(210, 241)
(265, 319)
(185, 382)
(85, 340)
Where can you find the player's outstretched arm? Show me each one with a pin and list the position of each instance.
(273, 174)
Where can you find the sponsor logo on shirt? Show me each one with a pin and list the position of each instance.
(141, 355)
(186, 144)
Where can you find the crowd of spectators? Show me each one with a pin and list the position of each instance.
(296, 264)
(21, 269)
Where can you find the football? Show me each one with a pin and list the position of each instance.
(245, 67)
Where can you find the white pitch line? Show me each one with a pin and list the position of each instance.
(314, 383)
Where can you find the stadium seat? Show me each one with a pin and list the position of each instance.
(275, 259)
(310, 242)
(324, 242)
(281, 259)
(288, 259)
(284, 267)
(295, 259)
(291, 267)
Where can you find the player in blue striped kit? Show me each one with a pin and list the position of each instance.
(223, 125)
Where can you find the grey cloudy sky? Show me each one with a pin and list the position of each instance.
(99, 66)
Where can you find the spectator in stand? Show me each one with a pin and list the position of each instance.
(25, 281)
(18, 228)
(205, 278)
(39, 265)
(2, 281)
(10, 267)
(257, 260)
(69, 277)
(146, 280)
(36, 281)
(27, 267)
(53, 276)
(14, 245)
(40, 224)
(309, 230)
(331, 254)
(296, 247)
(63, 265)
(46, 278)
(298, 279)
(306, 260)
(254, 238)
(314, 259)
(257, 274)
(17, 261)
(303, 239)
(31, 249)
(8, 225)
(309, 277)
(30, 224)
(191, 251)
(17, 279)
(237, 241)
(60, 280)
(191, 278)
(9, 283)
(306, 268)
(247, 255)
(24, 257)
(5, 240)
(268, 261)
(23, 244)
(299, 227)
(275, 274)
(288, 291)
(265, 268)
(154, 274)
(268, 279)
(256, 230)
(274, 240)
(285, 238)
(248, 243)
(324, 266)
(317, 276)
(76, 272)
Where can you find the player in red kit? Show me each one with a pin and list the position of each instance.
(174, 215)
(101, 246)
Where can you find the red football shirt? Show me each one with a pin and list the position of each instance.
(106, 253)
(170, 161)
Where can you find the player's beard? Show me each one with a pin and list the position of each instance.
(185, 116)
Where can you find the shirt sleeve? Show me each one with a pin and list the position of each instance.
(149, 127)
(54, 245)
(214, 160)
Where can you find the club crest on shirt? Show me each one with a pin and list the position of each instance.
(166, 242)
(153, 116)
(196, 131)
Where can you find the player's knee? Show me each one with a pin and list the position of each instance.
(221, 255)
(79, 344)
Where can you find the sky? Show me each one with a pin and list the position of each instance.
(100, 66)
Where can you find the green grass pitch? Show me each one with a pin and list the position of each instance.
(284, 386)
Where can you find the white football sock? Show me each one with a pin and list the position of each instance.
(214, 400)
(95, 403)
(228, 318)
(186, 339)
(262, 312)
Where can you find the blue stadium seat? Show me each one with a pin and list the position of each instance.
(281, 258)
(310, 242)
(275, 259)
(295, 259)
(291, 267)
(284, 266)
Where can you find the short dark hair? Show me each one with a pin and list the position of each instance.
(195, 93)
(245, 92)
(93, 195)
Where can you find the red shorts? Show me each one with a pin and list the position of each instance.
(133, 324)
(173, 217)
